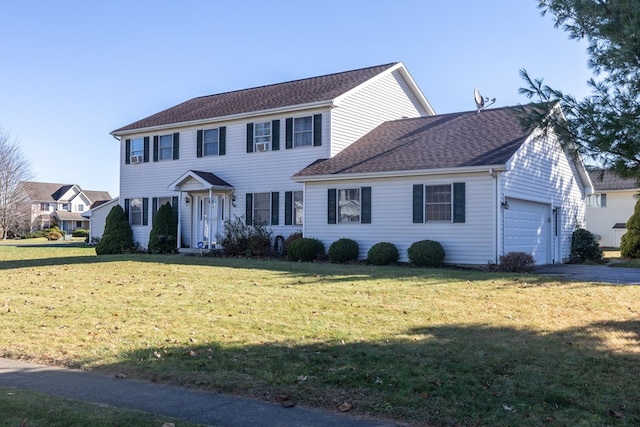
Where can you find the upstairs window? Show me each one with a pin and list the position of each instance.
(166, 147)
(80, 208)
(211, 142)
(137, 147)
(44, 207)
(302, 131)
(596, 200)
(136, 150)
(262, 136)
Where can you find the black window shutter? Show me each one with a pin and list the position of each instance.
(275, 208)
(317, 130)
(176, 146)
(275, 135)
(459, 202)
(145, 211)
(126, 207)
(365, 205)
(288, 208)
(174, 205)
(199, 144)
(222, 141)
(249, 137)
(288, 137)
(331, 205)
(146, 149)
(418, 203)
(127, 151)
(248, 210)
(154, 208)
(155, 148)
(603, 200)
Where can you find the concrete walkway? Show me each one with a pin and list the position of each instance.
(189, 405)
(593, 273)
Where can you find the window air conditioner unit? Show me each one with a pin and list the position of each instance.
(262, 146)
(136, 159)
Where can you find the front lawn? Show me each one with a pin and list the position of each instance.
(422, 346)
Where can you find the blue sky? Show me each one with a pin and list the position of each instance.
(73, 71)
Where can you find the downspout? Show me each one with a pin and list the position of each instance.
(496, 216)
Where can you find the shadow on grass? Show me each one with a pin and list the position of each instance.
(326, 272)
(440, 375)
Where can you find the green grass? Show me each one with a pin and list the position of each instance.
(34, 409)
(423, 346)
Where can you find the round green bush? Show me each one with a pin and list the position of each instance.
(80, 232)
(343, 250)
(383, 253)
(584, 247)
(305, 249)
(426, 253)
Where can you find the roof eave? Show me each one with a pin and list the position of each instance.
(230, 117)
(401, 173)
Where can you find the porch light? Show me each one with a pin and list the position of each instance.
(504, 205)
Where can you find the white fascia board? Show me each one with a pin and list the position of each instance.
(402, 173)
(407, 77)
(239, 116)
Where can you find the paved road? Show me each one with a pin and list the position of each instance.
(188, 405)
(593, 273)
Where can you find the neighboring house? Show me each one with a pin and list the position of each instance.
(610, 206)
(97, 217)
(395, 172)
(59, 204)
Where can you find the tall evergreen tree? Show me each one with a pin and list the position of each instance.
(117, 237)
(164, 232)
(605, 126)
(630, 242)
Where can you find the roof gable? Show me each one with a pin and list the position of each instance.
(53, 192)
(467, 139)
(297, 92)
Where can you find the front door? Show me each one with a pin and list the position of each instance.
(208, 221)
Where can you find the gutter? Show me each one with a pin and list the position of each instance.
(230, 117)
(401, 173)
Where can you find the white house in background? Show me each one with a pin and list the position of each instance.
(59, 204)
(358, 154)
(610, 206)
(97, 217)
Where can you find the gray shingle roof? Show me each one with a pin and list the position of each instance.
(604, 180)
(212, 179)
(51, 192)
(314, 89)
(454, 140)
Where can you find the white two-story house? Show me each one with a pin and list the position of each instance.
(357, 154)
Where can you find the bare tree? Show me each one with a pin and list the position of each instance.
(14, 168)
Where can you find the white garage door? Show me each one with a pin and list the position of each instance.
(527, 229)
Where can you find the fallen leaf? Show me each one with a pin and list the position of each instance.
(346, 406)
(615, 414)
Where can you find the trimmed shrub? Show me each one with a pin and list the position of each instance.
(426, 253)
(584, 247)
(163, 238)
(80, 232)
(343, 250)
(630, 241)
(260, 240)
(383, 253)
(288, 241)
(305, 249)
(54, 235)
(517, 262)
(117, 237)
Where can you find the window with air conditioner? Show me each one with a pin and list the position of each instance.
(137, 150)
(262, 136)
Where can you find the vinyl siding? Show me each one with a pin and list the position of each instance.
(471, 242)
(541, 171)
(385, 98)
(254, 172)
(600, 220)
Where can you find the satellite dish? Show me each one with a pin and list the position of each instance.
(481, 103)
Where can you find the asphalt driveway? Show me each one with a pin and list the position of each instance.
(593, 273)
